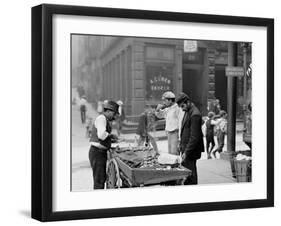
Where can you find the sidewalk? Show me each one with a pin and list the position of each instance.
(214, 171)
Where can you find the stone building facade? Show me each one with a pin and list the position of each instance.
(138, 70)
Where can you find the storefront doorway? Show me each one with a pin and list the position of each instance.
(191, 85)
(194, 78)
(221, 86)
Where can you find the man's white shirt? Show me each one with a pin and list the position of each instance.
(173, 116)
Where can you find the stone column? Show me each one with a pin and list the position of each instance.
(138, 78)
(178, 69)
(211, 74)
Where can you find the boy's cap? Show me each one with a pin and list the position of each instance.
(168, 95)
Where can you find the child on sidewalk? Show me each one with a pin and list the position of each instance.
(210, 142)
(145, 127)
(221, 130)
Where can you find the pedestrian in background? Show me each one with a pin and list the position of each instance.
(171, 112)
(83, 108)
(217, 107)
(221, 130)
(210, 141)
(145, 126)
(120, 117)
(101, 139)
(191, 141)
(214, 106)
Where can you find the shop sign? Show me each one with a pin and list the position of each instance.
(159, 80)
(160, 83)
(234, 71)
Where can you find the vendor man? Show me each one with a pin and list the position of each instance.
(191, 142)
(101, 140)
(172, 113)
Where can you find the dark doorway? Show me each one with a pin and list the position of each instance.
(195, 78)
(193, 85)
(221, 86)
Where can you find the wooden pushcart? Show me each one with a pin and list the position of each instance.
(121, 174)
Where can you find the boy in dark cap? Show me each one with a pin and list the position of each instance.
(191, 136)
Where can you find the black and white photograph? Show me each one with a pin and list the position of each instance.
(145, 112)
(140, 112)
(159, 112)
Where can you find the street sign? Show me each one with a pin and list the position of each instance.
(190, 46)
(234, 71)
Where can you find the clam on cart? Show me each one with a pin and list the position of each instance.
(138, 167)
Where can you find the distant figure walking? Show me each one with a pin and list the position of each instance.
(83, 108)
(210, 141)
(120, 118)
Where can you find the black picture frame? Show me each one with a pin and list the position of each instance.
(42, 108)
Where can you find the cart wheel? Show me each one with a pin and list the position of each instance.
(113, 179)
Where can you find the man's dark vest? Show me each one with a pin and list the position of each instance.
(94, 137)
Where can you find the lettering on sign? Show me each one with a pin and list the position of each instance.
(160, 83)
(234, 71)
(159, 79)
